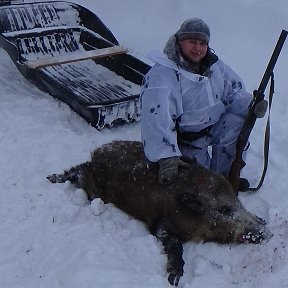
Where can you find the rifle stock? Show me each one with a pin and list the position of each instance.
(258, 95)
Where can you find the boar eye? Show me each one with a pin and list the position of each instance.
(226, 210)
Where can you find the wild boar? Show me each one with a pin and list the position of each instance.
(200, 206)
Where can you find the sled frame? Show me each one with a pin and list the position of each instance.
(75, 57)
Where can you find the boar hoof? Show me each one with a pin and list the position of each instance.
(175, 272)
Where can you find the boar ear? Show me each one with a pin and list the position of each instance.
(193, 202)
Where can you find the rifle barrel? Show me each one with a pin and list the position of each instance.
(238, 163)
(272, 62)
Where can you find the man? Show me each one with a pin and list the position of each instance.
(191, 100)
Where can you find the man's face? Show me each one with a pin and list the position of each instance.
(194, 49)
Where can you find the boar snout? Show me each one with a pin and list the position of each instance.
(257, 236)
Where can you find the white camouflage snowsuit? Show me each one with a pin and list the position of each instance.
(175, 101)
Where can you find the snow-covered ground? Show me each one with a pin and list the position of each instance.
(52, 237)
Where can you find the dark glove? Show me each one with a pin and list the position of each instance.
(168, 169)
(261, 108)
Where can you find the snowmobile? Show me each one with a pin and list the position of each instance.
(67, 51)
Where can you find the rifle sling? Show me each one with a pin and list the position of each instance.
(267, 136)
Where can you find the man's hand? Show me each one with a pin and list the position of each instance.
(168, 169)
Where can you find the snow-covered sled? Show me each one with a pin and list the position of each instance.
(66, 50)
(8, 2)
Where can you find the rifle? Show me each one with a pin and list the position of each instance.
(258, 95)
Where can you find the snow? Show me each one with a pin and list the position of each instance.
(50, 234)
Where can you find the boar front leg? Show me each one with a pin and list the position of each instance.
(174, 249)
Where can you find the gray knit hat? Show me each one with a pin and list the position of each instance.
(193, 26)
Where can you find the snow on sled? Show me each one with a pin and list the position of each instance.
(66, 50)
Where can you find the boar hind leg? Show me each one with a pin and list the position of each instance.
(174, 249)
(74, 175)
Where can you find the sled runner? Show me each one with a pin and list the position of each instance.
(66, 50)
